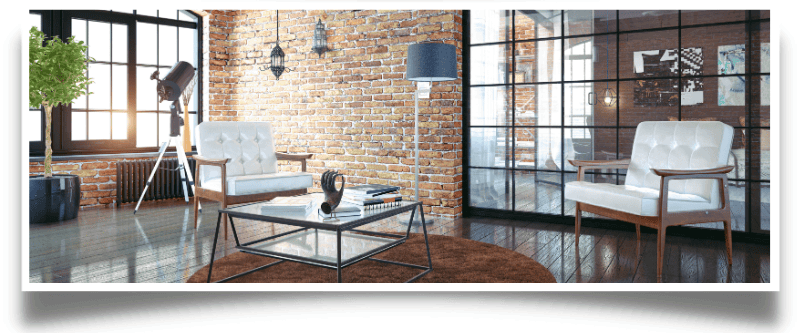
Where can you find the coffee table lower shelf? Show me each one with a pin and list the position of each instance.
(323, 248)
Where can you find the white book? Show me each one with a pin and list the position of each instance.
(288, 204)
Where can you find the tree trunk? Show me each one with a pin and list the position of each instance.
(48, 150)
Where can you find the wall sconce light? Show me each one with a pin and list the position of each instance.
(320, 39)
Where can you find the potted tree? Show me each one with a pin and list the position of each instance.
(57, 76)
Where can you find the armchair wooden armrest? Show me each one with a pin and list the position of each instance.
(600, 164)
(698, 172)
(211, 161)
(295, 157)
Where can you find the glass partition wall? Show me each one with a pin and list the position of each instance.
(547, 86)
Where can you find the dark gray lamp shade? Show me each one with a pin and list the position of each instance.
(431, 62)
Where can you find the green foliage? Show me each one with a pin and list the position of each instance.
(57, 70)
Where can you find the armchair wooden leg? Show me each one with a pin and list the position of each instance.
(577, 222)
(196, 205)
(638, 241)
(728, 241)
(662, 236)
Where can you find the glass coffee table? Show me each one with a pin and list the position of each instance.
(330, 243)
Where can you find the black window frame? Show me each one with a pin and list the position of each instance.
(752, 204)
(58, 23)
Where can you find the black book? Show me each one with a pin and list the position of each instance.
(372, 189)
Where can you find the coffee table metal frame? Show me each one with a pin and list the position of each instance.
(337, 228)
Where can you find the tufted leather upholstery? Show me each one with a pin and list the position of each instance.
(683, 145)
(253, 166)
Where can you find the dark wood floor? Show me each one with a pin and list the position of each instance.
(159, 244)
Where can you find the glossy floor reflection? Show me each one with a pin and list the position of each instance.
(159, 244)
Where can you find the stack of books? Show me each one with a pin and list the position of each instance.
(372, 196)
(288, 205)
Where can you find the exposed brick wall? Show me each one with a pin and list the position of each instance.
(351, 107)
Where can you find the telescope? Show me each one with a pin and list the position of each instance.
(170, 88)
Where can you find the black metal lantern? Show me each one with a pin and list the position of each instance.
(608, 97)
(320, 39)
(277, 57)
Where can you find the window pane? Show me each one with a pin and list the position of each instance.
(185, 16)
(712, 41)
(490, 26)
(585, 104)
(538, 61)
(119, 43)
(590, 58)
(79, 30)
(146, 93)
(589, 144)
(491, 106)
(187, 50)
(119, 126)
(146, 130)
(167, 45)
(100, 98)
(647, 19)
(690, 17)
(99, 125)
(648, 54)
(765, 204)
(35, 20)
(584, 22)
(146, 42)
(490, 189)
(78, 126)
(490, 147)
(100, 41)
(538, 105)
(538, 192)
(537, 24)
(193, 122)
(163, 127)
(33, 127)
(490, 64)
(119, 87)
(647, 100)
(760, 154)
(538, 148)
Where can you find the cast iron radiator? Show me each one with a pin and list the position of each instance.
(132, 178)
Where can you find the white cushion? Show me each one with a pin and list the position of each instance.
(271, 182)
(248, 145)
(679, 145)
(642, 201)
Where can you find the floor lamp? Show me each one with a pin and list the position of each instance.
(427, 62)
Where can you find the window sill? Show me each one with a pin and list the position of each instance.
(107, 156)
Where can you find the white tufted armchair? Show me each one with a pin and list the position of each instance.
(676, 175)
(243, 153)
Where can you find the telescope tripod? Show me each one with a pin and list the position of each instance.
(185, 174)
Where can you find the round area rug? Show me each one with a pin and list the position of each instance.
(455, 260)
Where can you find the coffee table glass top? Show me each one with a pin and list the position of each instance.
(258, 210)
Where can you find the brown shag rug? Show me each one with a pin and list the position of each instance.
(455, 260)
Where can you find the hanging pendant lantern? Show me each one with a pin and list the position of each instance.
(320, 39)
(608, 97)
(277, 56)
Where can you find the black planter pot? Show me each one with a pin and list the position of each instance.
(54, 199)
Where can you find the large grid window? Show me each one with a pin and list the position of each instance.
(534, 86)
(122, 113)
